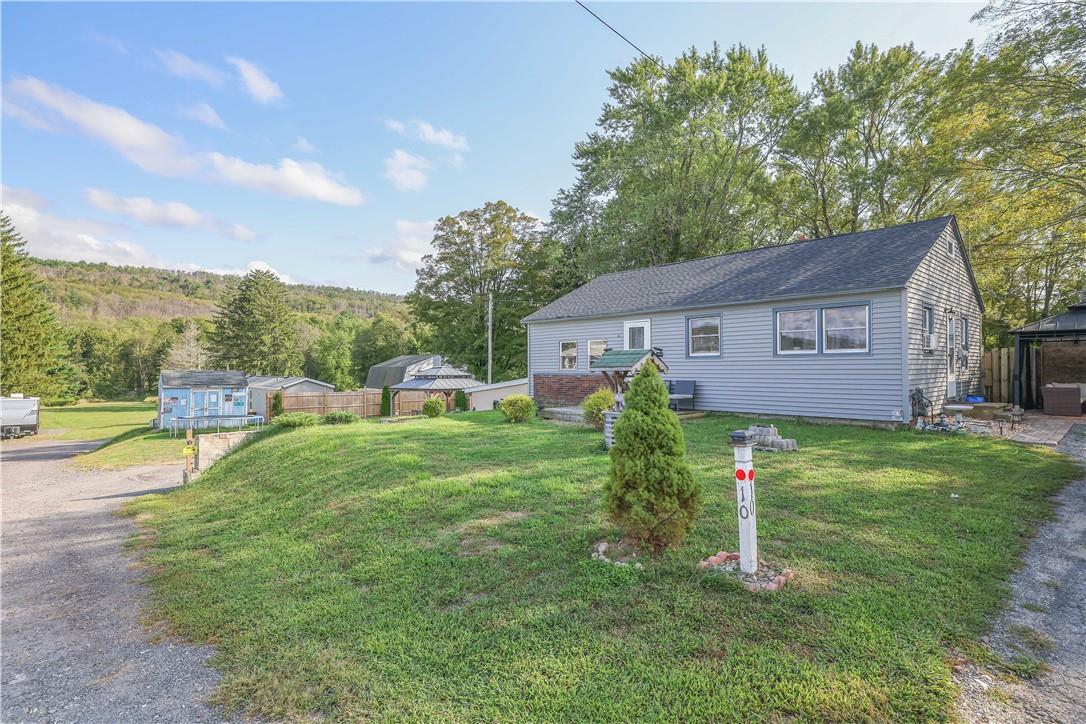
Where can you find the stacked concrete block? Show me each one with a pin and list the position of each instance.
(767, 438)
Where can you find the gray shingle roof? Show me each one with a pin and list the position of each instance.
(392, 371)
(864, 261)
(274, 382)
(202, 378)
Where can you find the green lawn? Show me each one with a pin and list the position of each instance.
(441, 569)
(95, 420)
(124, 424)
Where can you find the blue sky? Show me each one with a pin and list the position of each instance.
(323, 140)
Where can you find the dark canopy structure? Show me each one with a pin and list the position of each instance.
(444, 379)
(1067, 327)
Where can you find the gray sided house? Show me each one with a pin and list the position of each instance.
(260, 386)
(839, 327)
(201, 394)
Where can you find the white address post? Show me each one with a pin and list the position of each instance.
(742, 445)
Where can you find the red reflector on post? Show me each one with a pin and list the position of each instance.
(740, 474)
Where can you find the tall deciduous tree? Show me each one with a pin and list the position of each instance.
(188, 351)
(495, 250)
(332, 354)
(254, 329)
(33, 350)
(381, 338)
(679, 162)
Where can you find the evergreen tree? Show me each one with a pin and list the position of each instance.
(651, 493)
(33, 345)
(254, 329)
(386, 402)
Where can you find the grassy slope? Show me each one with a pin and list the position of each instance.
(378, 570)
(125, 424)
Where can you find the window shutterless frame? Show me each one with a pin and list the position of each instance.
(928, 319)
(819, 346)
(567, 354)
(790, 321)
(595, 349)
(698, 328)
(646, 327)
(866, 327)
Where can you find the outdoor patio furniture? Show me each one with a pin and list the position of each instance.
(1064, 398)
(680, 394)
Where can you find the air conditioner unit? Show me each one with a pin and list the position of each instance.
(931, 341)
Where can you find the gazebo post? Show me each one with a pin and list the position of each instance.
(1016, 379)
(392, 402)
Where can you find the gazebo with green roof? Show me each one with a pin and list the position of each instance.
(618, 365)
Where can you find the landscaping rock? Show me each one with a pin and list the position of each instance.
(622, 553)
(766, 578)
(767, 439)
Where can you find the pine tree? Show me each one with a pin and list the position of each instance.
(255, 330)
(651, 493)
(33, 344)
(386, 402)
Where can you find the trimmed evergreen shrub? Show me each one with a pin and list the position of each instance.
(297, 419)
(277, 403)
(651, 492)
(517, 408)
(433, 407)
(339, 417)
(599, 402)
(460, 400)
(386, 402)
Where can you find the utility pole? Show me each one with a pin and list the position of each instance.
(489, 337)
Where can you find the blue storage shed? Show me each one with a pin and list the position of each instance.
(201, 398)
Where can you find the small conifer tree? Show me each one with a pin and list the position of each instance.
(461, 401)
(386, 402)
(651, 492)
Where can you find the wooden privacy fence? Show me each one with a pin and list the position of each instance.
(998, 367)
(364, 403)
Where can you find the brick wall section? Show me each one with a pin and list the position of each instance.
(567, 389)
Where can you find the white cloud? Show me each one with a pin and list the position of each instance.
(427, 133)
(303, 145)
(406, 171)
(55, 237)
(256, 82)
(144, 144)
(183, 66)
(304, 179)
(173, 214)
(203, 113)
(159, 152)
(413, 241)
(32, 120)
(112, 42)
(256, 264)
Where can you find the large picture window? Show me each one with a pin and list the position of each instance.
(844, 329)
(569, 355)
(703, 336)
(797, 331)
(596, 348)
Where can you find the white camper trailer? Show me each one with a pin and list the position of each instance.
(18, 416)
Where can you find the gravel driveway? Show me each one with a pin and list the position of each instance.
(73, 646)
(1046, 620)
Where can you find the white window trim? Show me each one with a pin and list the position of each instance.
(927, 314)
(590, 342)
(777, 328)
(561, 356)
(647, 324)
(690, 335)
(867, 330)
(965, 331)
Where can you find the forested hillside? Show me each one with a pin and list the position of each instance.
(86, 292)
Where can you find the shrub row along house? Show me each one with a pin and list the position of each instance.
(838, 327)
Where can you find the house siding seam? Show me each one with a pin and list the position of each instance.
(566, 388)
(942, 282)
(748, 376)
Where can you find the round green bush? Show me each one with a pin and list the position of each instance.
(339, 417)
(433, 407)
(651, 492)
(517, 408)
(297, 419)
(599, 402)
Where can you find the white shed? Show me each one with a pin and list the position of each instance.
(486, 397)
(261, 386)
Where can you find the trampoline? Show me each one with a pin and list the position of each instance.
(198, 422)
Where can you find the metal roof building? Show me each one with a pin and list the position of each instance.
(398, 369)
